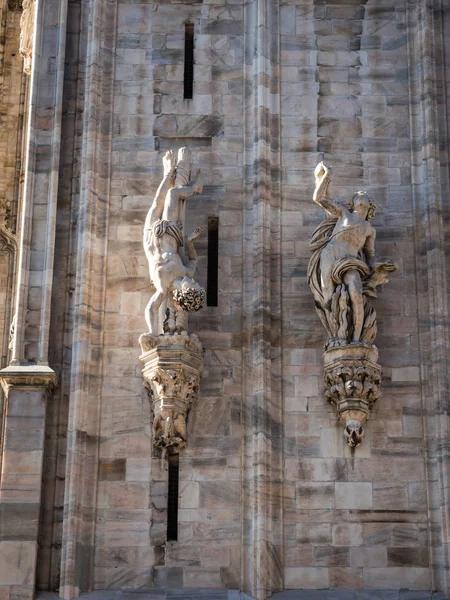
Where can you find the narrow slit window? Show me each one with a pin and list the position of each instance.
(213, 262)
(172, 497)
(188, 61)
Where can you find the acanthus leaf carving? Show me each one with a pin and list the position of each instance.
(172, 369)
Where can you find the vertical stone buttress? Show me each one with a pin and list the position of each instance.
(262, 404)
(429, 138)
(97, 72)
(28, 379)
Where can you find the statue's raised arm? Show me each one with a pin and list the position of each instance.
(321, 196)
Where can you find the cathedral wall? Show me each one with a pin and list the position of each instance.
(151, 116)
(270, 496)
(352, 519)
(12, 91)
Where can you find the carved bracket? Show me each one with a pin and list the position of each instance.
(172, 365)
(352, 385)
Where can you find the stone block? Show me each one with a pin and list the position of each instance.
(23, 462)
(19, 522)
(328, 556)
(368, 556)
(408, 557)
(17, 562)
(137, 469)
(345, 578)
(316, 535)
(354, 495)
(347, 534)
(416, 578)
(389, 495)
(308, 578)
(315, 495)
(112, 470)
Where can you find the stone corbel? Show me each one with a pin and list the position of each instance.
(172, 365)
(352, 385)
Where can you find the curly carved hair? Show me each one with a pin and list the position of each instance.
(189, 296)
(350, 204)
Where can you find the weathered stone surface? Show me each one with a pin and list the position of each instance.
(271, 496)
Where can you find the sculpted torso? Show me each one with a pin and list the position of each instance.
(164, 236)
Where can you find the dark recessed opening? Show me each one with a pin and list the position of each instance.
(172, 497)
(188, 61)
(212, 290)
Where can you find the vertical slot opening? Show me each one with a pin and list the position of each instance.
(188, 61)
(212, 288)
(172, 497)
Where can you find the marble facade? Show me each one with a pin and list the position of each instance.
(271, 498)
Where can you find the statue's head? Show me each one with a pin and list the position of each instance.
(362, 204)
(188, 294)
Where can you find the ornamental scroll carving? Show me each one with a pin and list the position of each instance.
(343, 276)
(172, 358)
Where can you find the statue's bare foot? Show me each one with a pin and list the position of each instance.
(169, 163)
(194, 235)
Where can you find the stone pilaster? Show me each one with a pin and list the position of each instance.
(429, 174)
(40, 190)
(26, 390)
(262, 410)
(97, 43)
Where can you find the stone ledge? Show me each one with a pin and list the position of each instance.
(156, 594)
(358, 595)
(212, 594)
(28, 375)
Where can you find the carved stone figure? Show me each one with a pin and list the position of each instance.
(171, 274)
(343, 276)
(172, 358)
(27, 33)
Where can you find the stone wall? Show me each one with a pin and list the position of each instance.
(351, 520)
(271, 498)
(150, 115)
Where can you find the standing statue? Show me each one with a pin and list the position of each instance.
(170, 274)
(172, 358)
(343, 276)
(27, 20)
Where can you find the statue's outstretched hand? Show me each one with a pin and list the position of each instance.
(169, 163)
(322, 170)
(194, 235)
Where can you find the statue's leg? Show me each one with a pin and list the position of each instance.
(172, 205)
(152, 307)
(353, 281)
